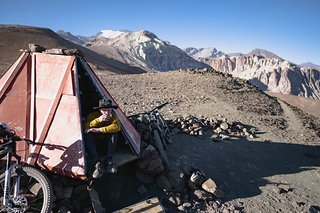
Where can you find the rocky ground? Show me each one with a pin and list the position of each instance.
(276, 171)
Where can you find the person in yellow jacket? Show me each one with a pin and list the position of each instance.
(102, 126)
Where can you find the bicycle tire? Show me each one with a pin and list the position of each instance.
(162, 138)
(44, 183)
(159, 147)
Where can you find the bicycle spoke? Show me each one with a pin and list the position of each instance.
(35, 200)
(36, 209)
(30, 185)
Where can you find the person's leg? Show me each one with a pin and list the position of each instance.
(112, 142)
(90, 142)
(91, 145)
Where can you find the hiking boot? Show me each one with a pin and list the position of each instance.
(110, 167)
(98, 172)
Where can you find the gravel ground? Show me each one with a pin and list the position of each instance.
(278, 171)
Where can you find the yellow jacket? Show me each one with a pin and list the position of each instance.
(110, 126)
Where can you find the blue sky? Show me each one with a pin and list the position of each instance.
(289, 28)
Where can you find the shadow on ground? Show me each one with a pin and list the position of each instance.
(240, 166)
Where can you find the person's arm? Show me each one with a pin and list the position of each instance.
(113, 127)
(92, 121)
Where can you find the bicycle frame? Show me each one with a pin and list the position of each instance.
(10, 152)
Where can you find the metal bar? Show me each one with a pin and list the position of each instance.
(77, 91)
(13, 74)
(53, 109)
(32, 100)
(6, 197)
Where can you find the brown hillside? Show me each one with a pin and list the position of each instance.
(16, 37)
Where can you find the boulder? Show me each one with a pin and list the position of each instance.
(210, 186)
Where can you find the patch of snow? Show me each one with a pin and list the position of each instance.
(110, 33)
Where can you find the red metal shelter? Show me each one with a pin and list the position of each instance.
(41, 98)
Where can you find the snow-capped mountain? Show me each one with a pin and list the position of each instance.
(209, 52)
(270, 73)
(142, 49)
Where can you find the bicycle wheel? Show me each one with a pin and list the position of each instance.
(35, 193)
(159, 147)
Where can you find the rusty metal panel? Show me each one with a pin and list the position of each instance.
(49, 72)
(15, 66)
(62, 151)
(14, 103)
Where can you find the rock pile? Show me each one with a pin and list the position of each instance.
(192, 191)
(70, 195)
(218, 128)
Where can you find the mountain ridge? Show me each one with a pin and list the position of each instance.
(16, 37)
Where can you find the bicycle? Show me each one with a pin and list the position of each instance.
(159, 129)
(31, 190)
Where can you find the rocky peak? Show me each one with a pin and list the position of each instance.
(209, 52)
(270, 73)
(310, 65)
(263, 53)
(144, 49)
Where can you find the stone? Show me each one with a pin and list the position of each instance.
(201, 195)
(143, 192)
(180, 208)
(73, 52)
(224, 126)
(55, 51)
(244, 130)
(163, 183)
(196, 125)
(79, 190)
(217, 130)
(253, 130)
(251, 136)
(210, 186)
(177, 180)
(276, 189)
(67, 192)
(36, 48)
(186, 205)
(143, 178)
(200, 133)
(224, 137)
(175, 199)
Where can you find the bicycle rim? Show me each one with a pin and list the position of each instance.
(35, 188)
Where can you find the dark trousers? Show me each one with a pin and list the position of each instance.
(94, 141)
